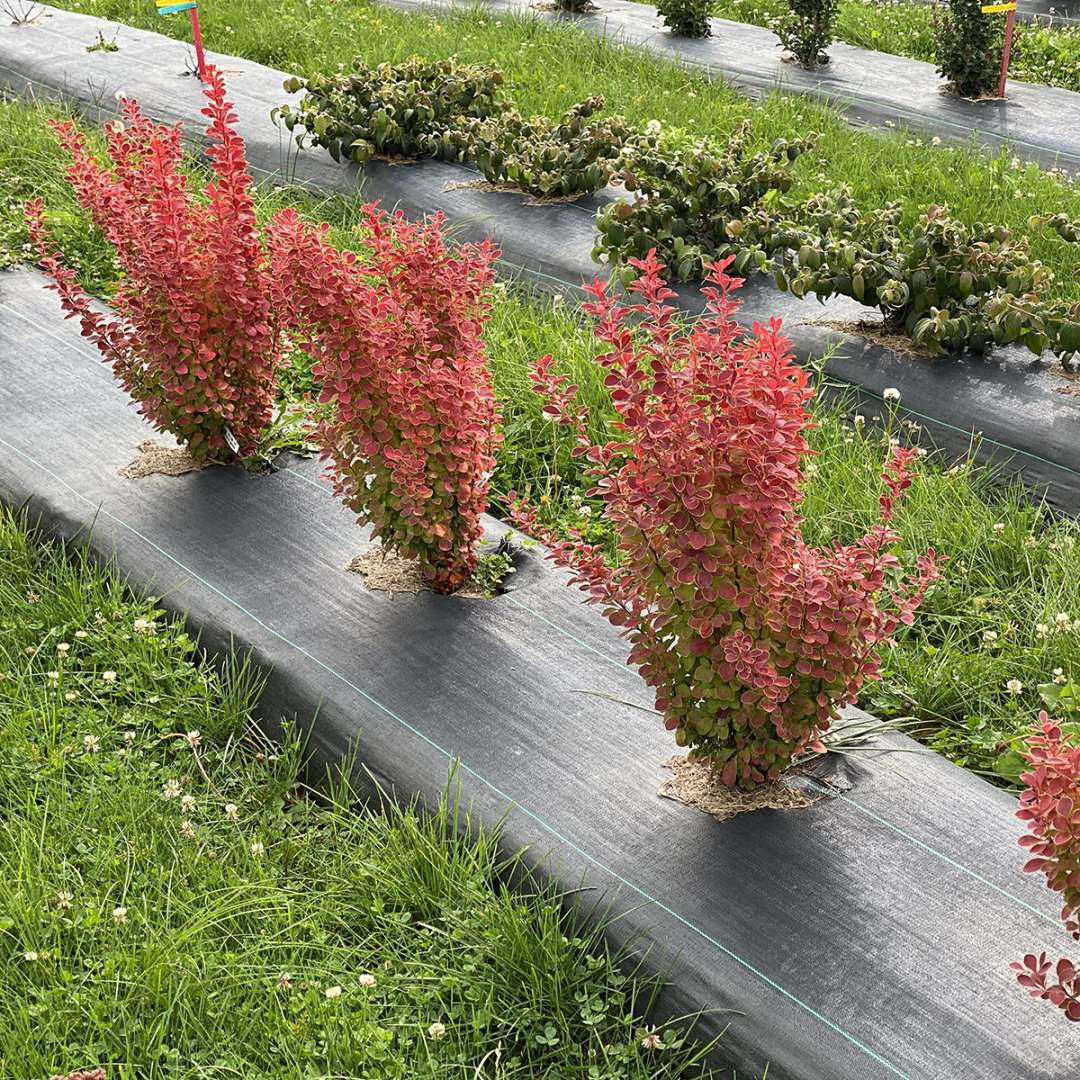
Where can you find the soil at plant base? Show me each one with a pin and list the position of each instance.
(879, 334)
(695, 784)
(531, 200)
(384, 571)
(580, 9)
(156, 460)
(1072, 383)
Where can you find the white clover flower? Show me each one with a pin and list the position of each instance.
(890, 393)
(119, 915)
(232, 813)
(80, 634)
(366, 980)
(1063, 620)
(990, 636)
(53, 677)
(653, 127)
(1014, 686)
(436, 1031)
(1041, 629)
(91, 744)
(108, 676)
(63, 900)
(187, 803)
(129, 737)
(30, 956)
(998, 526)
(71, 695)
(332, 992)
(258, 849)
(63, 648)
(651, 1039)
(858, 419)
(171, 789)
(284, 981)
(187, 830)
(194, 738)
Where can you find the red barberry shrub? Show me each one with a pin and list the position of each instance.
(1050, 807)
(397, 344)
(195, 340)
(750, 637)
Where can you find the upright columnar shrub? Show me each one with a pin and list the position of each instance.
(569, 156)
(697, 201)
(687, 18)
(968, 45)
(398, 352)
(1050, 807)
(196, 339)
(806, 31)
(751, 638)
(412, 109)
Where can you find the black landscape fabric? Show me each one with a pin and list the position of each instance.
(1012, 406)
(865, 938)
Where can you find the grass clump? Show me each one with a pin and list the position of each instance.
(176, 903)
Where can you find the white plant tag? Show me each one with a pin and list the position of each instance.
(230, 440)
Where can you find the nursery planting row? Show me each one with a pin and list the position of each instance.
(981, 627)
(872, 87)
(748, 666)
(418, 681)
(995, 628)
(947, 286)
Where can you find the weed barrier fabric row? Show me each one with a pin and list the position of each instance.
(1040, 123)
(1027, 418)
(864, 938)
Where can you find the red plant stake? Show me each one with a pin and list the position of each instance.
(196, 340)
(1050, 806)
(750, 637)
(398, 350)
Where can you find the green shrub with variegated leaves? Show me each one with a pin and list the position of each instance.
(697, 201)
(414, 109)
(569, 156)
(944, 284)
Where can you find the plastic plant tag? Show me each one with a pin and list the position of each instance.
(230, 440)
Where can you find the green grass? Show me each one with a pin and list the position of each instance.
(946, 671)
(551, 66)
(147, 928)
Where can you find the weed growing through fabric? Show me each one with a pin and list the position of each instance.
(175, 901)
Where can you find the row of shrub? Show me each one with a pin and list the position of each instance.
(967, 41)
(751, 637)
(946, 285)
